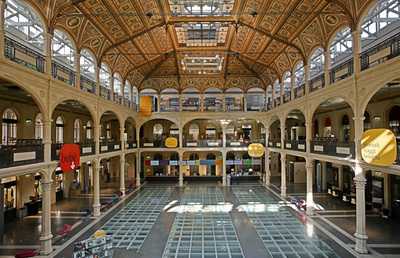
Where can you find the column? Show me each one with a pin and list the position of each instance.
(224, 167)
(361, 234)
(96, 135)
(202, 106)
(309, 177)
(122, 175)
(47, 139)
(180, 102)
(273, 95)
(324, 176)
(386, 190)
(293, 86)
(281, 85)
(96, 188)
(2, 211)
(244, 103)
(2, 30)
(356, 51)
(122, 138)
(78, 69)
(159, 103)
(340, 177)
(283, 175)
(307, 77)
(48, 53)
(112, 88)
(327, 64)
(267, 170)
(97, 72)
(46, 236)
(180, 169)
(138, 161)
(283, 132)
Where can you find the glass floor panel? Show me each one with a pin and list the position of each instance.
(203, 234)
(281, 232)
(131, 225)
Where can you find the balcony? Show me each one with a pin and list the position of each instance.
(300, 91)
(242, 143)
(87, 148)
(63, 73)
(381, 52)
(23, 152)
(21, 54)
(203, 144)
(87, 85)
(342, 71)
(274, 143)
(286, 97)
(130, 145)
(105, 93)
(332, 147)
(109, 146)
(296, 145)
(317, 82)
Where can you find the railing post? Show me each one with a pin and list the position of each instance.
(78, 69)
(49, 52)
(46, 236)
(2, 27)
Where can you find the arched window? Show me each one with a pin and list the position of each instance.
(105, 81)
(194, 131)
(9, 127)
(317, 61)
(299, 74)
(77, 131)
(117, 85)
(135, 97)
(63, 49)
(287, 84)
(88, 64)
(22, 22)
(385, 17)
(39, 126)
(108, 131)
(269, 97)
(89, 129)
(59, 130)
(342, 46)
(277, 89)
(158, 130)
(127, 91)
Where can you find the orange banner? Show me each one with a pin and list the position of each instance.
(146, 105)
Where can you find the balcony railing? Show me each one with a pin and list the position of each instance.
(277, 102)
(287, 97)
(88, 85)
(203, 143)
(275, 143)
(110, 146)
(300, 91)
(23, 152)
(342, 71)
(317, 82)
(296, 145)
(130, 145)
(21, 54)
(242, 143)
(380, 53)
(87, 148)
(332, 147)
(105, 93)
(63, 73)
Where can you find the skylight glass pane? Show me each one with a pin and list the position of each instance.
(201, 7)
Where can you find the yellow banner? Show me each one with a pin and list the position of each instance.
(256, 150)
(171, 142)
(379, 147)
(146, 105)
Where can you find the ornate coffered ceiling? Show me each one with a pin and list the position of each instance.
(147, 40)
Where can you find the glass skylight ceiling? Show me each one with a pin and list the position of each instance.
(201, 34)
(202, 65)
(201, 7)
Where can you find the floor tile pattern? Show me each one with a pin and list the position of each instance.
(282, 233)
(130, 226)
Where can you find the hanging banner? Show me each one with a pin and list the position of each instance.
(256, 150)
(146, 105)
(70, 157)
(379, 147)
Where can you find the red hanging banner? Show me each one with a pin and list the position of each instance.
(70, 157)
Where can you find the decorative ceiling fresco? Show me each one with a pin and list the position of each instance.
(201, 43)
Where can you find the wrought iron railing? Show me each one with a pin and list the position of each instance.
(109, 146)
(63, 73)
(317, 82)
(332, 147)
(130, 144)
(274, 143)
(24, 55)
(87, 148)
(342, 71)
(88, 85)
(23, 152)
(203, 143)
(296, 145)
(300, 91)
(105, 93)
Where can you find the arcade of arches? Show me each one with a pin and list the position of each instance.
(164, 97)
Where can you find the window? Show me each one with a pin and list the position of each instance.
(277, 89)
(39, 126)
(88, 64)
(9, 127)
(201, 7)
(341, 46)
(23, 23)
(63, 49)
(77, 131)
(299, 75)
(269, 97)
(59, 130)
(127, 91)
(105, 76)
(89, 130)
(384, 17)
(317, 63)
(108, 131)
(287, 83)
(117, 85)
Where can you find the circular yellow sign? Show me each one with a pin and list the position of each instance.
(256, 150)
(171, 142)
